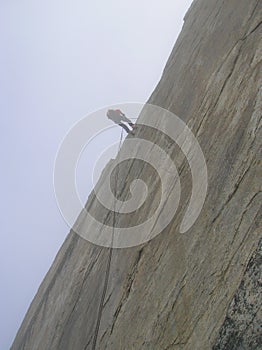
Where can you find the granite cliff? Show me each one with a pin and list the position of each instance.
(200, 289)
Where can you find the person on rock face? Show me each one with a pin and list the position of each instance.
(119, 118)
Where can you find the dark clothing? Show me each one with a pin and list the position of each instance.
(124, 127)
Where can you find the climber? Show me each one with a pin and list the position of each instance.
(119, 117)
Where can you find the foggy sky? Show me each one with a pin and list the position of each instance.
(59, 61)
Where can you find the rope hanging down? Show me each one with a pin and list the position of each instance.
(100, 310)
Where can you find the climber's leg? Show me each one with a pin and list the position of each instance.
(124, 127)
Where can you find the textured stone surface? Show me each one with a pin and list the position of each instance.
(179, 291)
(242, 328)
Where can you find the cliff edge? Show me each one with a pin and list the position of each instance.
(201, 289)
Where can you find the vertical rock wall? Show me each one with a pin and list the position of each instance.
(197, 290)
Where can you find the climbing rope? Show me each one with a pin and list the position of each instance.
(107, 273)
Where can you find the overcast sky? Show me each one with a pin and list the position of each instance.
(59, 61)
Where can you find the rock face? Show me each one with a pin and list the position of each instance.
(242, 328)
(200, 289)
